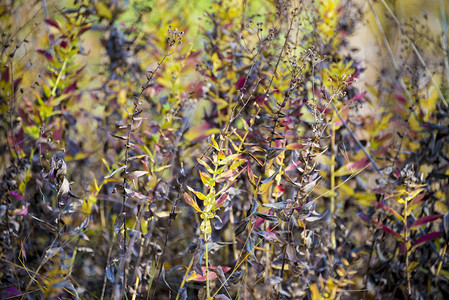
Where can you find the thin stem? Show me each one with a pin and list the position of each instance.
(409, 290)
(206, 256)
(64, 65)
(332, 182)
(184, 279)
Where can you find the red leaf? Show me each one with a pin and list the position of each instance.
(388, 209)
(70, 88)
(52, 23)
(84, 29)
(424, 220)
(240, 83)
(396, 235)
(426, 238)
(197, 277)
(45, 53)
(5, 75)
(220, 201)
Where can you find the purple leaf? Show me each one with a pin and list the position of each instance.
(424, 220)
(426, 238)
(45, 53)
(22, 212)
(272, 238)
(17, 196)
(364, 217)
(70, 88)
(10, 292)
(52, 23)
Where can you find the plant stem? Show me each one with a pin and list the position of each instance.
(185, 277)
(409, 291)
(53, 92)
(206, 256)
(332, 181)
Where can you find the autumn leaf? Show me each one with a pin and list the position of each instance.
(192, 202)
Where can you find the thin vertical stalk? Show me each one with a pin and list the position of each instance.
(409, 290)
(206, 256)
(332, 182)
(184, 279)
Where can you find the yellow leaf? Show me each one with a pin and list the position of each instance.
(103, 11)
(316, 295)
(121, 98)
(264, 187)
(414, 123)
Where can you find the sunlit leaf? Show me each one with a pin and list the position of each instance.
(64, 188)
(103, 10)
(212, 275)
(134, 174)
(206, 179)
(204, 164)
(269, 179)
(352, 167)
(310, 186)
(200, 195)
(115, 171)
(190, 201)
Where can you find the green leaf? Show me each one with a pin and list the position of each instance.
(227, 159)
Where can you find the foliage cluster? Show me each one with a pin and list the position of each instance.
(151, 151)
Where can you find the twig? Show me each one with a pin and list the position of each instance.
(352, 133)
